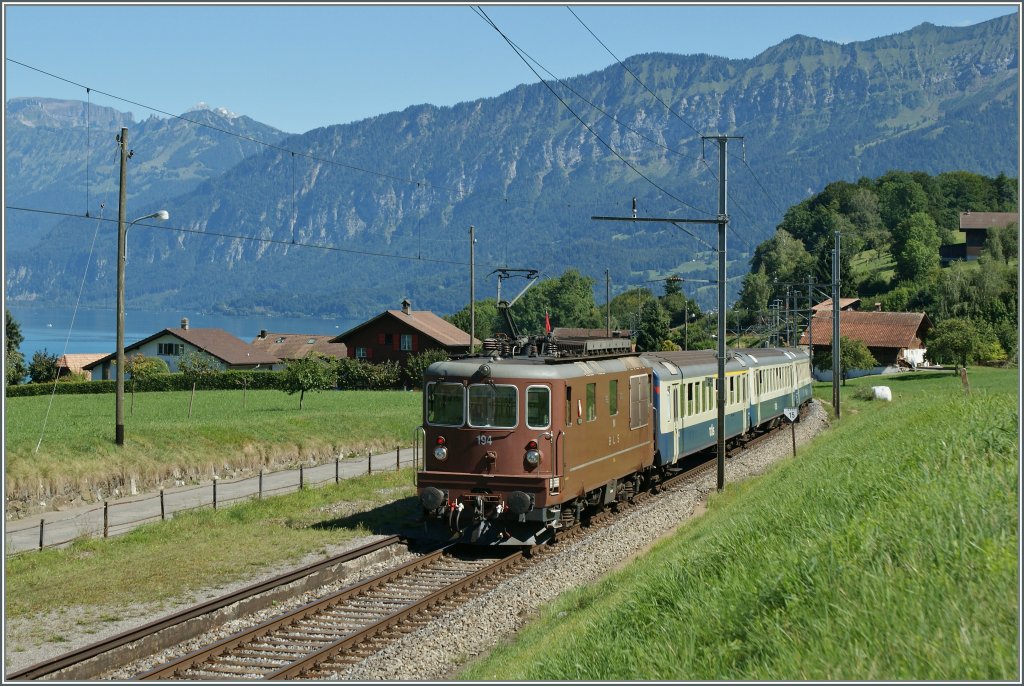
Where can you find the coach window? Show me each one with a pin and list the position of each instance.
(675, 402)
(591, 402)
(538, 407)
(445, 404)
(613, 397)
(492, 406)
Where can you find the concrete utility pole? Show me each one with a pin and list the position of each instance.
(122, 241)
(836, 367)
(607, 304)
(721, 220)
(472, 289)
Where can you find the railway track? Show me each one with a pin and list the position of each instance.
(341, 627)
(96, 658)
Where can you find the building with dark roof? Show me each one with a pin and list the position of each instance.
(396, 334)
(229, 351)
(976, 226)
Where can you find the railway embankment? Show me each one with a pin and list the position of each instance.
(888, 550)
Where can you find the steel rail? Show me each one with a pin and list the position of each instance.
(197, 657)
(324, 654)
(95, 649)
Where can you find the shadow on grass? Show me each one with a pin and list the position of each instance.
(399, 517)
(917, 376)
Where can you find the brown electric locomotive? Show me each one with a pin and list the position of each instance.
(518, 447)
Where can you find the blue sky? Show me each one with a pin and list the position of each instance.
(302, 67)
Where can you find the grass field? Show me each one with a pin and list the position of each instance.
(200, 549)
(888, 550)
(77, 449)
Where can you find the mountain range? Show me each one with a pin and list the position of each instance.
(348, 220)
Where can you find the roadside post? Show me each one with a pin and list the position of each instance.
(791, 414)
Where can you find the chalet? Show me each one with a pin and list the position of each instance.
(296, 346)
(396, 334)
(75, 363)
(895, 339)
(229, 351)
(975, 226)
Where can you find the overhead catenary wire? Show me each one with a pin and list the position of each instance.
(483, 15)
(667, 107)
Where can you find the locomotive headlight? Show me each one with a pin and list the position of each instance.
(532, 456)
(441, 451)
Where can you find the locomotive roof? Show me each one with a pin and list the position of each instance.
(532, 367)
(691, 362)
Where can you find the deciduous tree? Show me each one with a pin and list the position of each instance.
(315, 372)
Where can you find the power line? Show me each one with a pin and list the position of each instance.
(589, 128)
(667, 106)
(242, 136)
(255, 239)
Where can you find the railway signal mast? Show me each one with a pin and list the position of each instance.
(722, 221)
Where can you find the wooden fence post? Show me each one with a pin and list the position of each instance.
(302, 477)
(41, 525)
(398, 458)
(337, 463)
(162, 512)
(215, 492)
(369, 462)
(106, 518)
(261, 485)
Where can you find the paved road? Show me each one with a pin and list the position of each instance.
(124, 514)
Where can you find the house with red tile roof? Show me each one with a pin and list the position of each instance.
(396, 334)
(895, 339)
(75, 363)
(229, 351)
(296, 346)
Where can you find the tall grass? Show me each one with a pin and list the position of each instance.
(886, 551)
(77, 450)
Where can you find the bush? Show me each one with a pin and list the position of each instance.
(359, 375)
(417, 364)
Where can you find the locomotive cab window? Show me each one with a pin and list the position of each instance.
(445, 404)
(492, 406)
(613, 397)
(538, 407)
(591, 402)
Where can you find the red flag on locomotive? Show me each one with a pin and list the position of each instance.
(547, 323)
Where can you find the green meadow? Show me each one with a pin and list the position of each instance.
(69, 443)
(886, 550)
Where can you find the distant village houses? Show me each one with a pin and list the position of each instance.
(287, 347)
(229, 351)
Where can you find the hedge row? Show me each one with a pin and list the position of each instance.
(227, 380)
(352, 375)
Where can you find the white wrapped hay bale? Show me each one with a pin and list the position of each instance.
(881, 393)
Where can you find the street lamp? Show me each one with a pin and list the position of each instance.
(122, 253)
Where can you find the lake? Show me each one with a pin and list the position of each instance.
(94, 330)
